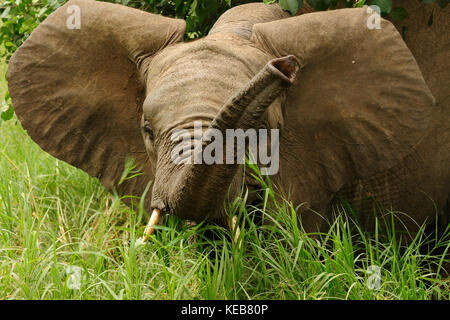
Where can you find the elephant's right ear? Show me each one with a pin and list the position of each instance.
(77, 85)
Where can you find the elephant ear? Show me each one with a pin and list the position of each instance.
(360, 103)
(77, 86)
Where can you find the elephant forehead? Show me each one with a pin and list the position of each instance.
(202, 73)
(234, 56)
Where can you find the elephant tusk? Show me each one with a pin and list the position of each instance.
(154, 220)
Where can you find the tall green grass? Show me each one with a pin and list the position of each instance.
(53, 216)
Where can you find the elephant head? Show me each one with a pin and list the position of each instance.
(124, 82)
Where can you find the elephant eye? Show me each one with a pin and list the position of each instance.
(148, 130)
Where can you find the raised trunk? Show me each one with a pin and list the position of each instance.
(245, 108)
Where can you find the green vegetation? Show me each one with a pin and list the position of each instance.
(3, 86)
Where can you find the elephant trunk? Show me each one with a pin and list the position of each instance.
(200, 188)
(246, 107)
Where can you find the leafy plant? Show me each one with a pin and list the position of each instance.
(386, 6)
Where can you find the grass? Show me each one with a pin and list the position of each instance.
(54, 217)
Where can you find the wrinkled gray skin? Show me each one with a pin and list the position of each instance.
(357, 120)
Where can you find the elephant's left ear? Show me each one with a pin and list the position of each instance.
(360, 103)
(77, 86)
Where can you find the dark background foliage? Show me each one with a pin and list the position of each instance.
(20, 17)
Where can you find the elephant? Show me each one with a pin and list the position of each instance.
(361, 112)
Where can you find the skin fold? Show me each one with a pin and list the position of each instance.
(363, 116)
